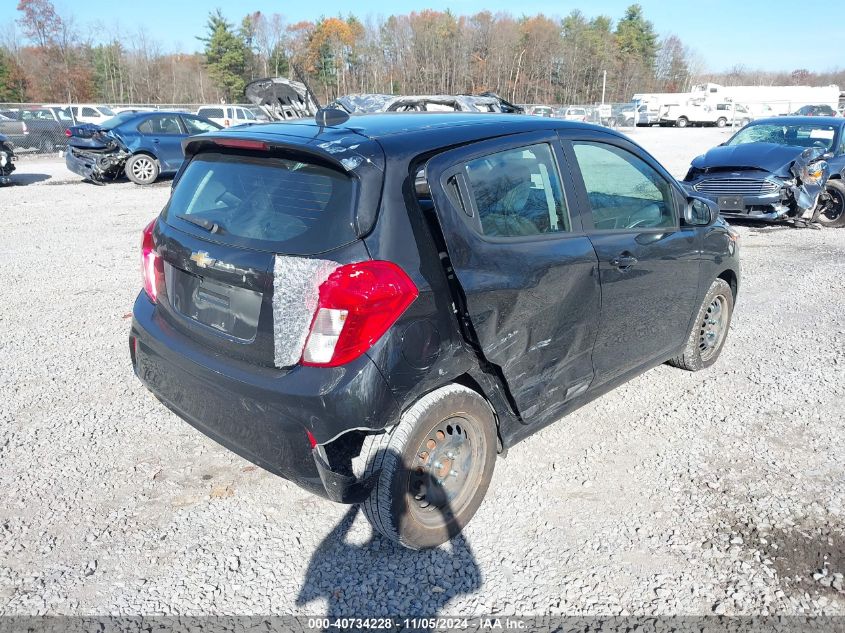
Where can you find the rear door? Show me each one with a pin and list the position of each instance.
(527, 272)
(164, 134)
(649, 265)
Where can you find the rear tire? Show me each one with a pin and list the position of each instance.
(436, 465)
(833, 216)
(721, 122)
(682, 121)
(142, 169)
(709, 330)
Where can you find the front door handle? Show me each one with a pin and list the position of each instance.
(623, 262)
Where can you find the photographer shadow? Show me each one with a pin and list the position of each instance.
(382, 578)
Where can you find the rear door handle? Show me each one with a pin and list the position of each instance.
(623, 262)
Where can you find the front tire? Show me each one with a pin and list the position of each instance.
(721, 122)
(682, 121)
(436, 465)
(142, 169)
(833, 214)
(709, 330)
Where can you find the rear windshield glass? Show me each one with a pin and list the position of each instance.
(277, 204)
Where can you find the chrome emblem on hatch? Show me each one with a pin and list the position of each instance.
(202, 260)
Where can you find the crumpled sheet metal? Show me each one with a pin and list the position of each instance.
(281, 98)
(371, 103)
(807, 190)
(296, 284)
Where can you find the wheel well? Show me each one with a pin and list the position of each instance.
(730, 276)
(471, 383)
(340, 452)
(145, 152)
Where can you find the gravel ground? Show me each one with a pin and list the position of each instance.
(721, 491)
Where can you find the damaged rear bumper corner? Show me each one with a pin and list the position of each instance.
(342, 487)
(96, 166)
(263, 414)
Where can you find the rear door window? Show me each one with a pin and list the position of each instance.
(211, 113)
(198, 126)
(518, 192)
(161, 125)
(278, 204)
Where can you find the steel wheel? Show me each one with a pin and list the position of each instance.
(433, 467)
(445, 470)
(713, 328)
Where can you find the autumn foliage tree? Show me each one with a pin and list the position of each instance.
(526, 59)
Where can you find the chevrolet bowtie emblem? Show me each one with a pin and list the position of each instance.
(201, 259)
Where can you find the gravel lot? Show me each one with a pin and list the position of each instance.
(721, 491)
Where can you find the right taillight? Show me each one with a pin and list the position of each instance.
(358, 303)
(150, 262)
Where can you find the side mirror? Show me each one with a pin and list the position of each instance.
(700, 212)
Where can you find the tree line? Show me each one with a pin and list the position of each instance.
(44, 57)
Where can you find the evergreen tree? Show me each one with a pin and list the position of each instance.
(226, 55)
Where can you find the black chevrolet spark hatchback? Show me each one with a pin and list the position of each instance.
(374, 309)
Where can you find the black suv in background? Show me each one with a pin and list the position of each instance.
(375, 309)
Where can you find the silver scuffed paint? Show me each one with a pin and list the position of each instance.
(296, 284)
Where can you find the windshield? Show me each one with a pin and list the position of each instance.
(106, 110)
(272, 203)
(794, 135)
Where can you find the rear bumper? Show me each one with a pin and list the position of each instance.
(262, 414)
(96, 166)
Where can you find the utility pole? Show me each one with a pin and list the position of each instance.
(603, 86)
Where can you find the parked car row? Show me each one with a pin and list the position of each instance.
(41, 129)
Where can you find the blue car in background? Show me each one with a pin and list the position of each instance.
(142, 145)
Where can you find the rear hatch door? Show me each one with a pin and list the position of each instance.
(237, 223)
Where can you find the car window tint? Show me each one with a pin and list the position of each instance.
(518, 192)
(90, 112)
(623, 190)
(198, 126)
(211, 113)
(168, 124)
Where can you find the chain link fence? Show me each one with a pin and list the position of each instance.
(41, 129)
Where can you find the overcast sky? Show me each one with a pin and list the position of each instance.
(773, 35)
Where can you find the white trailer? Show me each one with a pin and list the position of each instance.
(767, 100)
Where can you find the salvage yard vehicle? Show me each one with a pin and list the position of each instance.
(719, 115)
(374, 307)
(782, 168)
(7, 160)
(227, 116)
(90, 113)
(374, 103)
(142, 145)
(815, 110)
(40, 129)
(573, 114)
